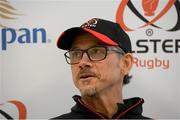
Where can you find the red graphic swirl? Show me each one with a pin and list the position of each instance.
(21, 108)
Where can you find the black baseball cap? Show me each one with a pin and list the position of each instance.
(108, 32)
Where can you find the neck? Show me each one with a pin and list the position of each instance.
(105, 101)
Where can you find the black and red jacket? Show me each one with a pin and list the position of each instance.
(131, 109)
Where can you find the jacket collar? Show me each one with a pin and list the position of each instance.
(130, 106)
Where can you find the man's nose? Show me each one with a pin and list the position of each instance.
(85, 61)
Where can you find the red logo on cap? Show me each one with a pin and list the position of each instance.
(90, 23)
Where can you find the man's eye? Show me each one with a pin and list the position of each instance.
(97, 51)
(75, 54)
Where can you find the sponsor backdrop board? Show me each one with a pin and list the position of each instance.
(36, 82)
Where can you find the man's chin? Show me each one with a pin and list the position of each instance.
(88, 91)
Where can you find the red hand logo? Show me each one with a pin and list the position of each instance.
(149, 6)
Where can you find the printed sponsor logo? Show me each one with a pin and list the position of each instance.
(150, 16)
(149, 7)
(21, 36)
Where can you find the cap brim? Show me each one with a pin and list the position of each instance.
(66, 38)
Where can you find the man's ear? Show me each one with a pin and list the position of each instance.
(126, 63)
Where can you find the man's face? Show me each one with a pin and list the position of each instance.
(93, 77)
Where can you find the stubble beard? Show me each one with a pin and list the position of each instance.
(91, 91)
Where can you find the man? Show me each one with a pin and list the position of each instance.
(99, 53)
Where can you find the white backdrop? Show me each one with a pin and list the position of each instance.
(37, 74)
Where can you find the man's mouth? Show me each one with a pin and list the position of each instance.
(86, 76)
